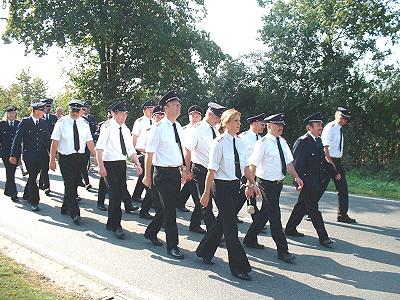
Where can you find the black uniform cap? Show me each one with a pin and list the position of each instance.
(316, 117)
(87, 103)
(148, 103)
(170, 96)
(216, 108)
(38, 106)
(256, 118)
(276, 119)
(195, 108)
(158, 110)
(119, 107)
(10, 109)
(345, 112)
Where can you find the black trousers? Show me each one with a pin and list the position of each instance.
(10, 187)
(166, 183)
(226, 195)
(242, 198)
(184, 194)
(308, 203)
(270, 211)
(116, 186)
(199, 212)
(101, 195)
(139, 187)
(85, 166)
(70, 167)
(33, 167)
(44, 181)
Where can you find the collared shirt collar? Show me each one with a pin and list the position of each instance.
(314, 137)
(271, 136)
(230, 137)
(34, 119)
(334, 121)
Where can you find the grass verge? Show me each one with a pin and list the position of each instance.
(360, 184)
(18, 282)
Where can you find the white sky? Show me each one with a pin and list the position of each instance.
(232, 24)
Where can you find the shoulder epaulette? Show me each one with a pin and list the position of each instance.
(148, 128)
(304, 136)
(106, 124)
(333, 125)
(220, 138)
(184, 127)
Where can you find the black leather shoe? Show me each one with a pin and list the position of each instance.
(197, 229)
(307, 218)
(119, 233)
(294, 233)
(139, 200)
(130, 208)
(79, 199)
(183, 209)
(34, 207)
(109, 228)
(176, 253)
(24, 173)
(146, 215)
(286, 257)
(207, 261)
(77, 220)
(101, 207)
(88, 186)
(15, 199)
(47, 192)
(346, 219)
(154, 240)
(254, 245)
(243, 276)
(327, 243)
(41, 187)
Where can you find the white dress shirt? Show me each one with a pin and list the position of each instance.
(331, 138)
(249, 138)
(141, 124)
(64, 133)
(222, 157)
(162, 144)
(110, 143)
(142, 138)
(34, 119)
(265, 157)
(199, 142)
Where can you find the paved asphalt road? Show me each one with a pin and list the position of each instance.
(364, 264)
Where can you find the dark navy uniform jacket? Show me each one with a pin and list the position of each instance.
(7, 134)
(310, 162)
(35, 140)
(92, 123)
(51, 122)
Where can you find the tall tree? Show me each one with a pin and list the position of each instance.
(121, 45)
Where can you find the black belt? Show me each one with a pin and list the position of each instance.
(201, 167)
(167, 168)
(271, 181)
(75, 154)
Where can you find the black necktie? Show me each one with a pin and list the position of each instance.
(37, 122)
(121, 140)
(213, 132)
(12, 123)
(76, 137)
(257, 137)
(238, 172)
(341, 138)
(150, 121)
(178, 140)
(283, 162)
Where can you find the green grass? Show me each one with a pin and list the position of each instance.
(360, 184)
(17, 282)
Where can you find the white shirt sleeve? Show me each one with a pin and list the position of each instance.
(326, 136)
(103, 137)
(288, 154)
(153, 140)
(258, 153)
(215, 156)
(56, 135)
(128, 142)
(88, 133)
(190, 141)
(137, 127)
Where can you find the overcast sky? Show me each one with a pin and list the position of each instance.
(232, 24)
